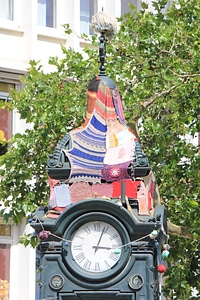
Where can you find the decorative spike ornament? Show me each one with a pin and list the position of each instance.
(117, 251)
(107, 27)
(44, 235)
(102, 23)
(161, 268)
(166, 247)
(153, 234)
(165, 254)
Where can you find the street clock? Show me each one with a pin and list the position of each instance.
(98, 248)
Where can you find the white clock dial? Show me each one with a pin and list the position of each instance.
(94, 246)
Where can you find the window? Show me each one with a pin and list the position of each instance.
(6, 9)
(5, 232)
(125, 5)
(5, 117)
(88, 8)
(4, 270)
(47, 13)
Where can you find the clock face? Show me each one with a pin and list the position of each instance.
(96, 246)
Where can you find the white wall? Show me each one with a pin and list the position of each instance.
(22, 271)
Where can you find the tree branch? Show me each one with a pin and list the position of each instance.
(174, 229)
(151, 100)
(186, 75)
(179, 230)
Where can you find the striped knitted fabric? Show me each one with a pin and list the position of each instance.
(88, 151)
(103, 128)
(104, 103)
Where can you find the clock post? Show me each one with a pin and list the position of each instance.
(101, 236)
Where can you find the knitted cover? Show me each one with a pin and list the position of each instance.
(98, 142)
(88, 151)
(103, 148)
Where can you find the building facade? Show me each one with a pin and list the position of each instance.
(33, 30)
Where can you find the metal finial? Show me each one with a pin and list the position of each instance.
(107, 27)
(102, 55)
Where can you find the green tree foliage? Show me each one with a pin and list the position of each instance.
(154, 59)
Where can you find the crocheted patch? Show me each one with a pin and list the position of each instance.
(120, 154)
(116, 172)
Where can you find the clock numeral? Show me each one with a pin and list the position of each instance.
(114, 236)
(107, 265)
(97, 227)
(87, 229)
(106, 229)
(113, 256)
(80, 237)
(87, 264)
(97, 267)
(80, 257)
(77, 247)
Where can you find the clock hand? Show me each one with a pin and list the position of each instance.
(99, 239)
(101, 247)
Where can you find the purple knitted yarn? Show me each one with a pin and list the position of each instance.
(44, 235)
